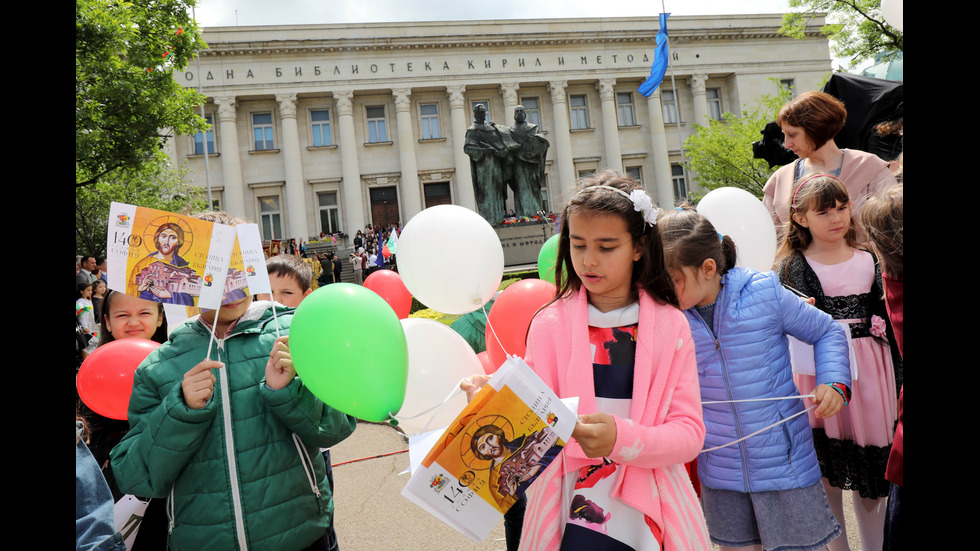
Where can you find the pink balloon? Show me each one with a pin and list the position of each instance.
(105, 380)
(511, 316)
(388, 285)
(485, 360)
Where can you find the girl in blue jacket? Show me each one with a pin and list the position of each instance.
(760, 480)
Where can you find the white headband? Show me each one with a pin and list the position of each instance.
(641, 202)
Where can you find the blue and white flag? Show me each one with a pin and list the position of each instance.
(660, 57)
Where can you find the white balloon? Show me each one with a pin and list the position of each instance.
(739, 214)
(450, 259)
(438, 358)
(894, 13)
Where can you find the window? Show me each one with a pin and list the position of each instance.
(377, 125)
(437, 194)
(430, 121)
(545, 202)
(320, 121)
(788, 84)
(624, 105)
(199, 138)
(270, 217)
(329, 212)
(262, 129)
(580, 112)
(533, 110)
(680, 182)
(586, 173)
(714, 103)
(636, 173)
(670, 106)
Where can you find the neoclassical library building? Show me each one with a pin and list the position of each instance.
(326, 128)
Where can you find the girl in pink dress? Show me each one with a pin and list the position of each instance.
(821, 259)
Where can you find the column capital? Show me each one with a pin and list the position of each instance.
(456, 99)
(403, 101)
(654, 96)
(697, 82)
(345, 102)
(605, 88)
(226, 108)
(557, 89)
(287, 105)
(509, 91)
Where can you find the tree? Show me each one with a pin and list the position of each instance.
(153, 185)
(858, 30)
(720, 154)
(125, 93)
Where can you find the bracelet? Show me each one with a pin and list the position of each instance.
(843, 390)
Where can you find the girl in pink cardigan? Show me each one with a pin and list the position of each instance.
(613, 336)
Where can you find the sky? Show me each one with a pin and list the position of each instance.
(212, 13)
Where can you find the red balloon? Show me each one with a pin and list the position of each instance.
(485, 361)
(511, 315)
(388, 285)
(105, 380)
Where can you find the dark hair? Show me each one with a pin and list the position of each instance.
(814, 192)
(883, 219)
(85, 257)
(819, 114)
(160, 335)
(690, 239)
(649, 272)
(82, 286)
(286, 265)
(486, 429)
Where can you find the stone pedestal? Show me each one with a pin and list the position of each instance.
(523, 241)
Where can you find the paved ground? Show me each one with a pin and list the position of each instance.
(373, 516)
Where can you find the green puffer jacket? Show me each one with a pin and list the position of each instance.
(177, 452)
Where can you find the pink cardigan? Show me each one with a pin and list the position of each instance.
(665, 429)
(862, 174)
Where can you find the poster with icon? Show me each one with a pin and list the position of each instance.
(495, 449)
(174, 259)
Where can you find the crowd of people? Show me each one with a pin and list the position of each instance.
(679, 359)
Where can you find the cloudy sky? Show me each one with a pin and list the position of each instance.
(211, 13)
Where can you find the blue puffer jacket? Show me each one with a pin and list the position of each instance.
(750, 359)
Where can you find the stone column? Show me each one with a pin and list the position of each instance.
(465, 196)
(295, 190)
(661, 162)
(563, 140)
(610, 124)
(696, 82)
(509, 92)
(231, 163)
(411, 196)
(353, 198)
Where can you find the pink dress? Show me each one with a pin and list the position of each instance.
(853, 446)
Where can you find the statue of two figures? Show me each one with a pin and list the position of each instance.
(502, 157)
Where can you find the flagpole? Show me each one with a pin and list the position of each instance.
(677, 100)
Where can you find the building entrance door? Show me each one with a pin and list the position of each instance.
(384, 206)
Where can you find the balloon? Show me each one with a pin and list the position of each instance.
(484, 358)
(349, 349)
(388, 284)
(450, 259)
(739, 214)
(548, 258)
(438, 358)
(893, 11)
(105, 380)
(511, 316)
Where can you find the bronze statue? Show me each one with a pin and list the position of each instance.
(528, 164)
(489, 147)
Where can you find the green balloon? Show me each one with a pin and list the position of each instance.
(547, 259)
(349, 349)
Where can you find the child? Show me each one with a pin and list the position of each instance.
(290, 279)
(614, 337)
(237, 460)
(764, 491)
(820, 260)
(84, 312)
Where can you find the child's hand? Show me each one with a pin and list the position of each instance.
(828, 401)
(596, 433)
(812, 301)
(472, 384)
(198, 383)
(279, 371)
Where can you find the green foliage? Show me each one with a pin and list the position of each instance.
(857, 30)
(720, 154)
(125, 92)
(157, 186)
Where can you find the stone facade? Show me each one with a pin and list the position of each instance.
(331, 127)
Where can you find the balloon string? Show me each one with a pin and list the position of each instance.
(489, 326)
(435, 409)
(760, 430)
(761, 399)
(213, 327)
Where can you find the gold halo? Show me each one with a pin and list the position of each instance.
(465, 450)
(151, 228)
